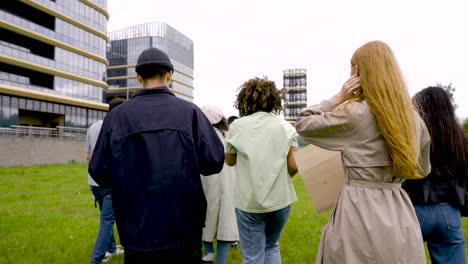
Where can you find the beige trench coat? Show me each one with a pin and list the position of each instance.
(374, 220)
(220, 220)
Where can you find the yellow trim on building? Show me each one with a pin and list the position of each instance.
(45, 69)
(118, 78)
(123, 89)
(182, 83)
(96, 7)
(33, 34)
(130, 66)
(28, 93)
(119, 67)
(183, 73)
(66, 18)
(134, 77)
(296, 103)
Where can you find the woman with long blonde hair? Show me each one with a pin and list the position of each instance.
(382, 141)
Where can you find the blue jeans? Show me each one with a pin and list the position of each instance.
(441, 227)
(259, 235)
(222, 250)
(105, 240)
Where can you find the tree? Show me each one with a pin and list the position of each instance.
(465, 125)
(450, 90)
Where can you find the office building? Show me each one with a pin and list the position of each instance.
(127, 44)
(52, 62)
(295, 93)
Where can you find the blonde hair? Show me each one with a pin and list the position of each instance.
(385, 90)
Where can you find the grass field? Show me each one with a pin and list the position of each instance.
(47, 215)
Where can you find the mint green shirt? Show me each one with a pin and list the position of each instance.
(262, 142)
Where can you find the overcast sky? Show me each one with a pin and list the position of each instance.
(241, 39)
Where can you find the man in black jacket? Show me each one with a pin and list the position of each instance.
(151, 151)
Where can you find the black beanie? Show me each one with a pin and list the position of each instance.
(153, 57)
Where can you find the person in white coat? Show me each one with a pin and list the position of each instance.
(220, 221)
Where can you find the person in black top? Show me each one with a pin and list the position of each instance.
(232, 119)
(151, 152)
(439, 198)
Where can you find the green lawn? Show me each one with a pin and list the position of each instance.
(47, 215)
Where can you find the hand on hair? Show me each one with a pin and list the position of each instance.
(347, 90)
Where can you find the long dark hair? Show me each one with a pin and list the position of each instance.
(449, 144)
(222, 126)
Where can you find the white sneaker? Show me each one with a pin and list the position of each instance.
(107, 257)
(209, 258)
(119, 250)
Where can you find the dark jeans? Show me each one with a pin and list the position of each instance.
(441, 227)
(189, 253)
(105, 240)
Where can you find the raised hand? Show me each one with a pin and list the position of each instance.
(347, 90)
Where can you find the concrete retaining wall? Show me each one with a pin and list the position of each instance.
(26, 151)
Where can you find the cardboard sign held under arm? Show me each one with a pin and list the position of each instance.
(323, 175)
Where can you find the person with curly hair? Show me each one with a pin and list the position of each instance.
(261, 145)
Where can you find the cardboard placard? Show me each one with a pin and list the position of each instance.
(323, 175)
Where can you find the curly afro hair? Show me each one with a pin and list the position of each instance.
(258, 94)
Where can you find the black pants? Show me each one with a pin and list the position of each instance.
(189, 253)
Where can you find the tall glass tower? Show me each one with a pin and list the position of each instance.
(52, 62)
(127, 44)
(295, 93)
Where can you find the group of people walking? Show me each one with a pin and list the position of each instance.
(152, 149)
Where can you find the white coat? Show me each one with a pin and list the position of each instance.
(220, 214)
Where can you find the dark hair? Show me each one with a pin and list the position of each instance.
(151, 71)
(449, 144)
(115, 102)
(258, 95)
(222, 125)
(231, 119)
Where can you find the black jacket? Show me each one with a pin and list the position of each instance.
(439, 189)
(151, 151)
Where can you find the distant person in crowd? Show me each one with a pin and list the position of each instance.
(439, 197)
(261, 145)
(382, 141)
(151, 152)
(231, 119)
(220, 221)
(105, 245)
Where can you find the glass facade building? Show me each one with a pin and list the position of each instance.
(53, 62)
(127, 44)
(295, 93)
